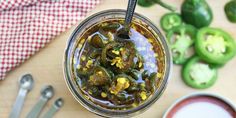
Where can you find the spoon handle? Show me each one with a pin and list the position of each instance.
(15, 113)
(34, 113)
(51, 112)
(130, 12)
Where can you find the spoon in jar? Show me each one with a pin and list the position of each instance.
(124, 32)
(46, 93)
(55, 107)
(26, 84)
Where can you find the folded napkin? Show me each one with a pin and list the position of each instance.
(27, 25)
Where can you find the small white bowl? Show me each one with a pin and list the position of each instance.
(201, 105)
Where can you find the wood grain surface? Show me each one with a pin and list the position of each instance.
(46, 68)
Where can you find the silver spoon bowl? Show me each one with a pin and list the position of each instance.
(47, 92)
(26, 82)
(59, 102)
(55, 107)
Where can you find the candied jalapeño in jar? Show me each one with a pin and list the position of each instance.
(118, 74)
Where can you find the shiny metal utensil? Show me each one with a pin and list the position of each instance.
(55, 107)
(124, 32)
(46, 93)
(26, 83)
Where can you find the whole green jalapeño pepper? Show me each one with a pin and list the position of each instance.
(230, 11)
(196, 12)
(215, 45)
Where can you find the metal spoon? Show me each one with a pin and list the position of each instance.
(55, 107)
(124, 32)
(46, 93)
(26, 84)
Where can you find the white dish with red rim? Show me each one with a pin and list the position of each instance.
(201, 105)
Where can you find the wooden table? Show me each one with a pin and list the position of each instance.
(46, 68)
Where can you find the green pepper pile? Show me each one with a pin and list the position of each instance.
(112, 72)
(201, 49)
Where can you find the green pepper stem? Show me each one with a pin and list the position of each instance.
(195, 2)
(169, 7)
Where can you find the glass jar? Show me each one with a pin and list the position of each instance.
(70, 77)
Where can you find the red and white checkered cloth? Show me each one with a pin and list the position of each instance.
(27, 25)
